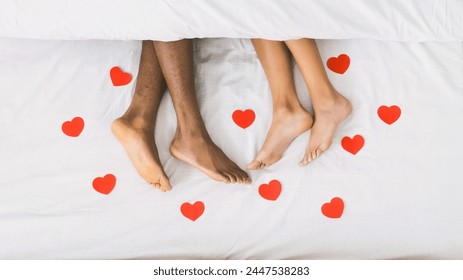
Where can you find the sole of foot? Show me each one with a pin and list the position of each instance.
(139, 144)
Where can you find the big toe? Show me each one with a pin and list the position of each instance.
(306, 159)
(255, 164)
(157, 186)
(165, 184)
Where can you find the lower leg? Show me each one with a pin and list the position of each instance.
(135, 129)
(192, 143)
(149, 90)
(290, 119)
(330, 107)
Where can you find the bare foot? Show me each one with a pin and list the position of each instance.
(139, 145)
(200, 152)
(327, 119)
(286, 126)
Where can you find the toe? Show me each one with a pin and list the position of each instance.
(304, 160)
(233, 178)
(318, 152)
(165, 184)
(253, 165)
(236, 174)
(225, 178)
(265, 164)
(245, 177)
(309, 157)
(156, 185)
(241, 175)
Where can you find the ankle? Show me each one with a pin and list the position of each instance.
(138, 122)
(327, 99)
(284, 111)
(286, 102)
(185, 133)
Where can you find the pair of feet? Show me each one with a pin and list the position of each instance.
(200, 151)
(287, 124)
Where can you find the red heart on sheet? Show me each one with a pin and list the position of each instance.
(119, 77)
(339, 64)
(270, 191)
(334, 208)
(353, 145)
(389, 114)
(244, 118)
(105, 184)
(192, 211)
(74, 127)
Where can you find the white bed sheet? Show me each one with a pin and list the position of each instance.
(404, 20)
(402, 191)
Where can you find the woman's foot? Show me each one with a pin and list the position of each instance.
(199, 151)
(138, 142)
(328, 116)
(286, 126)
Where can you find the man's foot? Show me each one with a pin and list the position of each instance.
(139, 145)
(328, 116)
(286, 126)
(200, 152)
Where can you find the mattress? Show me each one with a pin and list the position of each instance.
(395, 163)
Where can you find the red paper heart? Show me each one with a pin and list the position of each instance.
(353, 145)
(119, 77)
(244, 118)
(389, 114)
(105, 184)
(74, 127)
(270, 191)
(339, 64)
(192, 211)
(334, 208)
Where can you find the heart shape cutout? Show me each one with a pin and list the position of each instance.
(353, 145)
(105, 184)
(389, 114)
(270, 191)
(339, 64)
(74, 127)
(192, 211)
(244, 118)
(333, 209)
(119, 77)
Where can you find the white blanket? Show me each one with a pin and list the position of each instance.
(402, 190)
(405, 20)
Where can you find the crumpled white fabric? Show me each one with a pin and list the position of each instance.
(396, 20)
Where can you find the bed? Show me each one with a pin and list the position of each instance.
(388, 188)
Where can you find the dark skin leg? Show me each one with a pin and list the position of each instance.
(290, 119)
(135, 129)
(192, 143)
